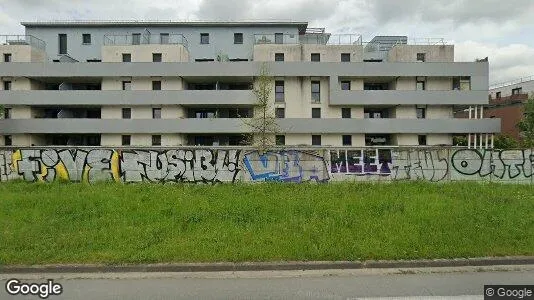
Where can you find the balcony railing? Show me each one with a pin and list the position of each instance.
(22, 40)
(313, 39)
(129, 39)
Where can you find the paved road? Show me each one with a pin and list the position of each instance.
(359, 284)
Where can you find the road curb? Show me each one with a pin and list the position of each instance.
(270, 266)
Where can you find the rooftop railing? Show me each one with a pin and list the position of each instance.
(28, 40)
(511, 82)
(310, 38)
(129, 39)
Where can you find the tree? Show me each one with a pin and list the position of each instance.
(262, 125)
(503, 141)
(526, 125)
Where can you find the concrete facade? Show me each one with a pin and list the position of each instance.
(154, 84)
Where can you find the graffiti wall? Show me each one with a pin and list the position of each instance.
(206, 165)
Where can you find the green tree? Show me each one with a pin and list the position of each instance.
(262, 125)
(503, 141)
(526, 125)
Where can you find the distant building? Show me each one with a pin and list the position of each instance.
(113, 83)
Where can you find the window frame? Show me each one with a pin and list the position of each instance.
(316, 113)
(423, 112)
(346, 140)
(7, 85)
(317, 57)
(344, 114)
(7, 112)
(157, 57)
(422, 140)
(279, 96)
(162, 37)
(314, 139)
(238, 38)
(498, 95)
(7, 138)
(346, 82)
(126, 83)
(8, 57)
(204, 38)
(419, 56)
(318, 93)
(278, 55)
(126, 113)
(155, 112)
(155, 84)
(280, 112)
(279, 38)
(344, 56)
(84, 35)
(280, 140)
(124, 138)
(156, 140)
(59, 40)
(126, 55)
(136, 38)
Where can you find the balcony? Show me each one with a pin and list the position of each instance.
(27, 40)
(308, 38)
(395, 97)
(226, 125)
(145, 39)
(130, 97)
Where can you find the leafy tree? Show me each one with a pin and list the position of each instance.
(262, 125)
(503, 141)
(526, 125)
(459, 141)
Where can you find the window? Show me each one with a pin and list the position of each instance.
(279, 91)
(7, 85)
(316, 91)
(7, 57)
(136, 39)
(421, 112)
(347, 140)
(8, 141)
(315, 57)
(126, 85)
(238, 38)
(62, 41)
(86, 39)
(345, 85)
(278, 38)
(374, 113)
(7, 113)
(421, 57)
(316, 113)
(156, 85)
(163, 38)
(420, 85)
(345, 113)
(280, 112)
(204, 38)
(517, 91)
(156, 113)
(316, 140)
(498, 95)
(280, 140)
(279, 57)
(126, 57)
(345, 57)
(156, 140)
(126, 140)
(421, 139)
(156, 57)
(126, 113)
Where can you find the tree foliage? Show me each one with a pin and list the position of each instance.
(526, 125)
(503, 141)
(262, 125)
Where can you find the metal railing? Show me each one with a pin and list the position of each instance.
(28, 40)
(310, 38)
(271, 38)
(145, 39)
(511, 82)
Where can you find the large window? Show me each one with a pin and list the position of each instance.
(126, 57)
(238, 38)
(316, 140)
(86, 39)
(278, 38)
(136, 38)
(156, 140)
(126, 140)
(279, 91)
(62, 40)
(280, 112)
(316, 91)
(345, 113)
(156, 113)
(204, 38)
(280, 140)
(156, 57)
(126, 113)
(316, 113)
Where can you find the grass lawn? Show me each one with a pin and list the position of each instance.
(148, 223)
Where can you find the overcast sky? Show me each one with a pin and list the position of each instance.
(503, 30)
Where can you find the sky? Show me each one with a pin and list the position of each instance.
(502, 30)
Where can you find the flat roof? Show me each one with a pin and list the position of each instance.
(130, 23)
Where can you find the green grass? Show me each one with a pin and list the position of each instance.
(147, 223)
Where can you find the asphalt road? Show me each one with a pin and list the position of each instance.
(463, 283)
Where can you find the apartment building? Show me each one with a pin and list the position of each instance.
(507, 102)
(133, 83)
